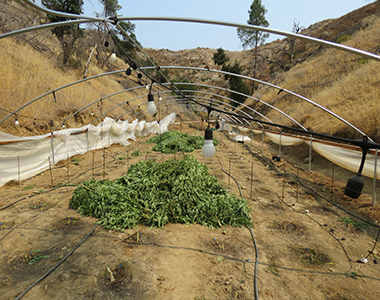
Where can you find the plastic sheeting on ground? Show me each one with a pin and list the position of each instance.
(24, 157)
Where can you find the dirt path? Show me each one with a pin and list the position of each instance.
(305, 250)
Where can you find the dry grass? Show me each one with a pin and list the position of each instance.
(27, 74)
(344, 83)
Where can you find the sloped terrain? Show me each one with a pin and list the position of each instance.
(307, 248)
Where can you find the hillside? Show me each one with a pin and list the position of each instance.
(339, 81)
(308, 240)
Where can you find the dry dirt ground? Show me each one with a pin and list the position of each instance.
(305, 251)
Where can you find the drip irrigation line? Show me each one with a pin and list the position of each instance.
(250, 229)
(12, 229)
(336, 205)
(329, 232)
(246, 261)
(33, 195)
(57, 265)
(85, 274)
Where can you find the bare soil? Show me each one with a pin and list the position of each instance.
(305, 251)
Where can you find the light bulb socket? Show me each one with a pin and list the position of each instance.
(106, 43)
(128, 71)
(208, 133)
(354, 186)
(150, 97)
(133, 65)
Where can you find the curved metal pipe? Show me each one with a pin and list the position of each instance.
(214, 22)
(273, 86)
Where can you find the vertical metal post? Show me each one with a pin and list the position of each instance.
(375, 179)
(279, 146)
(262, 143)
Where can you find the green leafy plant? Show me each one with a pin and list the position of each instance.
(136, 153)
(154, 194)
(175, 141)
(28, 187)
(75, 160)
(353, 223)
(34, 257)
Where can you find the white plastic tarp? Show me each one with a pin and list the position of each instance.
(24, 157)
(348, 158)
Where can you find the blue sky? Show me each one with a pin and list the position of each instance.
(177, 36)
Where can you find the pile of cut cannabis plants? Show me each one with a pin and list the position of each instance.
(175, 141)
(154, 194)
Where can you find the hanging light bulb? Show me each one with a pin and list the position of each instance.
(151, 106)
(16, 122)
(113, 57)
(160, 98)
(63, 126)
(208, 149)
(147, 87)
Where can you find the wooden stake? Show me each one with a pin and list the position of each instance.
(332, 183)
(18, 171)
(51, 173)
(283, 184)
(68, 168)
(229, 171)
(251, 177)
(104, 162)
(297, 183)
(93, 163)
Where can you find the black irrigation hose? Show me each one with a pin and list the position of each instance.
(330, 233)
(350, 213)
(250, 229)
(336, 205)
(57, 265)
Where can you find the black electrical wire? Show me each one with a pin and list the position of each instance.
(57, 265)
(23, 116)
(250, 229)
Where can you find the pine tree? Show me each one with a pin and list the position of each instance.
(67, 35)
(254, 38)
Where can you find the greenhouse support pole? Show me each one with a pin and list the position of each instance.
(311, 147)
(262, 143)
(375, 179)
(279, 146)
